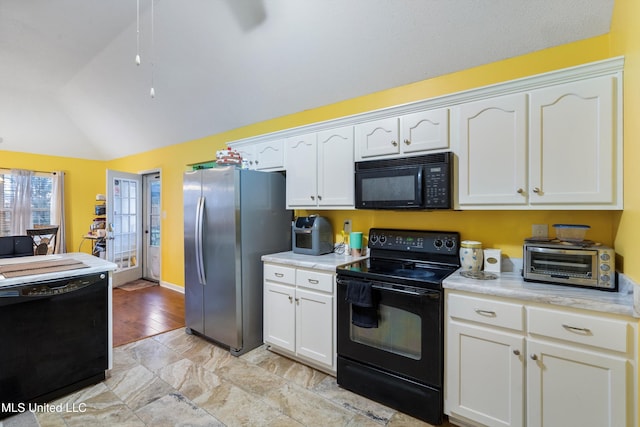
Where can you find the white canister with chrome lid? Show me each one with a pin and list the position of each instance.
(471, 255)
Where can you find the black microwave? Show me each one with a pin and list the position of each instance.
(421, 182)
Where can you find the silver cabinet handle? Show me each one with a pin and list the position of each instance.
(516, 352)
(279, 275)
(313, 197)
(585, 331)
(319, 197)
(536, 190)
(407, 142)
(290, 298)
(313, 281)
(520, 190)
(485, 312)
(533, 357)
(394, 143)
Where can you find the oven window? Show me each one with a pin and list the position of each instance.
(398, 332)
(576, 265)
(389, 188)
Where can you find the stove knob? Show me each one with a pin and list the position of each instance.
(438, 243)
(382, 239)
(373, 239)
(450, 244)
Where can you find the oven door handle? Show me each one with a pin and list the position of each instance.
(399, 289)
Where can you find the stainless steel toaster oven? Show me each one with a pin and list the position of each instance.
(585, 264)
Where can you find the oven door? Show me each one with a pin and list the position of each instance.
(409, 338)
(389, 188)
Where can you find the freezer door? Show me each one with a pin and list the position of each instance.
(222, 291)
(194, 291)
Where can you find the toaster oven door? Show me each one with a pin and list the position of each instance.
(567, 266)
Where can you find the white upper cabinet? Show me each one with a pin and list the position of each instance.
(492, 151)
(301, 165)
(336, 168)
(266, 155)
(270, 155)
(572, 143)
(557, 147)
(410, 134)
(320, 169)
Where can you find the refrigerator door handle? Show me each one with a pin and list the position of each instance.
(198, 240)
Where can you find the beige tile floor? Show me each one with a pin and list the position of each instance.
(175, 379)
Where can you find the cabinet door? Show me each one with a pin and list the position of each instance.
(574, 388)
(314, 326)
(492, 151)
(248, 153)
(269, 155)
(484, 375)
(336, 167)
(302, 183)
(377, 138)
(279, 315)
(572, 143)
(424, 131)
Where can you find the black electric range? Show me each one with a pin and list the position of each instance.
(391, 341)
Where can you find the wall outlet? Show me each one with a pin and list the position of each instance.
(346, 226)
(539, 230)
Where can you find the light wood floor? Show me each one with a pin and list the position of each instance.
(145, 312)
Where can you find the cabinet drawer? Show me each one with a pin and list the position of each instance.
(315, 280)
(481, 310)
(278, 273)
(585, 329)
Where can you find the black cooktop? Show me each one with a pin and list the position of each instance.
(411, 257)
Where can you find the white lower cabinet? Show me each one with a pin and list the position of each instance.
(299, 314)
(510, 363)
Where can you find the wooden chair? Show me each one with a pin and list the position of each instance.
(44, 239)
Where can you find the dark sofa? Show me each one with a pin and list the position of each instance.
(15, 246)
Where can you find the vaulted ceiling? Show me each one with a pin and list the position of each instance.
(69, 85)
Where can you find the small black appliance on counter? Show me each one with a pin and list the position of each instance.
(312, 235)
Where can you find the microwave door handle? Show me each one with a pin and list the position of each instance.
(304, 231)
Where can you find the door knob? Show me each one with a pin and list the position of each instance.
(407, 142)
(536, 190)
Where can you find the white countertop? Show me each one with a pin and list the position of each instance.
(512, 285)
(95, 265)
(328, 262)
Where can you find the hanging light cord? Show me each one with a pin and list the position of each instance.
(152, 92)
(137, 32)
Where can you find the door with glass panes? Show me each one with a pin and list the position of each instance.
(124, 219)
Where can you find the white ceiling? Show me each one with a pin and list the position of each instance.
(69, 85)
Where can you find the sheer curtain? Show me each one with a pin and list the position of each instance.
(57, 210)
(21, 218)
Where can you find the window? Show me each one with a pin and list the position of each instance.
(41, 191)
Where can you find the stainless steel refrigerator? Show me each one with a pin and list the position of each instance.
(231, 218)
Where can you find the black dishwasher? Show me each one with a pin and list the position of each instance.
(53, 339)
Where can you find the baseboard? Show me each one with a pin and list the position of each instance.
(172, 286)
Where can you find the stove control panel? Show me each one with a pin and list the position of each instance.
(446, 242)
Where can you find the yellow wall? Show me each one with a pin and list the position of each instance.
(625, 40)
(83, 180)
(502, 229)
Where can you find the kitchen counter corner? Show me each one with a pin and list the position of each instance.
(327, 262)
